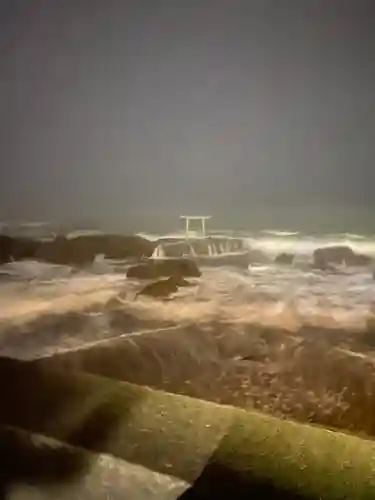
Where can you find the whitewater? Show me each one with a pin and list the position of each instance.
(46, 308)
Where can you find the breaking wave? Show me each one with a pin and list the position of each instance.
(47, 308)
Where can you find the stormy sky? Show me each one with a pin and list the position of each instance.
(111, 107)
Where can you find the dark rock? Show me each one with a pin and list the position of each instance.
(164, 287)
(159, 268)
(12, 249)
(117, 247)
(79, 251)
(324, 257)
(62, 251)
(284, 258)
(333, 255)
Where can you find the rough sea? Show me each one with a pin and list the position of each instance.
(45, 308)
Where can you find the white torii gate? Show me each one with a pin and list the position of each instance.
(190, 218)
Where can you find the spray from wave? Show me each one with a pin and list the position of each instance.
(68, 311)
(287, 296)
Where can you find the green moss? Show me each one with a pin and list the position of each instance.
(294, 458)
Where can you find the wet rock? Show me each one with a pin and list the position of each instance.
(284, 258)
(333, 255)
(82, 250)
(165, 287)
(79, 251)
(339, 254)
(160, 268)
(62, 251)
(13, 249)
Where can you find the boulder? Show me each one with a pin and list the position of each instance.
(12, 248)
(82, 250)
(116, 247)
(340, 254)
(78, 251)
(160, 268)
(333, 254)
(164, 287)
(62, 251)
(284, 258)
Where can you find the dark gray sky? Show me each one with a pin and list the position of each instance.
(110, 107)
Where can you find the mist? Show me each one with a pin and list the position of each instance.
(111, 110)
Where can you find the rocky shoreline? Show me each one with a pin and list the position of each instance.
(82, 250)
(319, 376)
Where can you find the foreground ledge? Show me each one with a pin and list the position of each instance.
(224, 450)
(34, 467)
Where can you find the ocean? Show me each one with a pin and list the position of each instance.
(46, 309)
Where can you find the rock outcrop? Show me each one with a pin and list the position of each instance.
(165, 287)
(325, 257)
(284, 258)
(13, 249)
(162, 268)
(79, 251)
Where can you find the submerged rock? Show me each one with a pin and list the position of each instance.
(160, 268)
(117, 247)
(333, 254)
(164, 287)
(284, 258)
